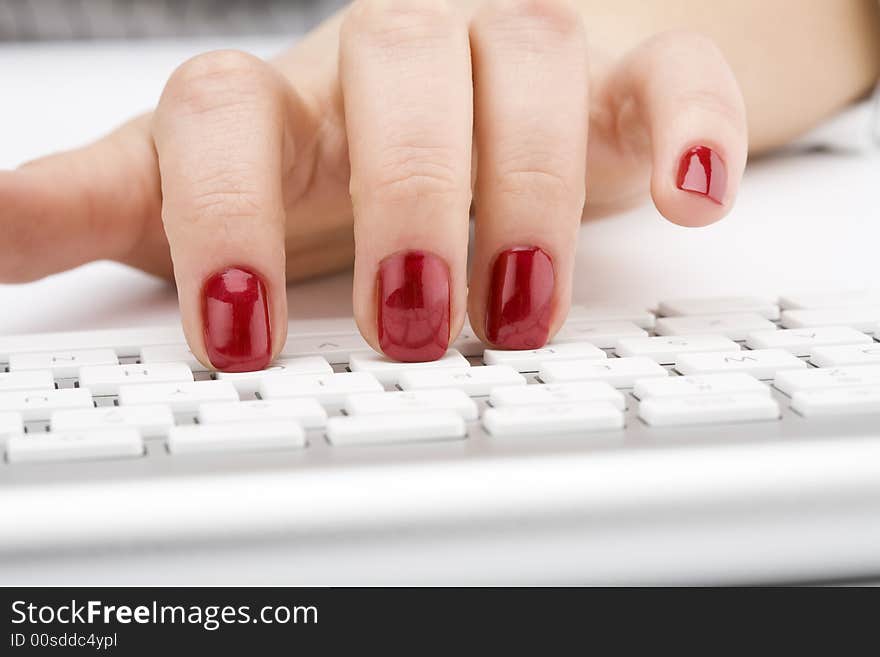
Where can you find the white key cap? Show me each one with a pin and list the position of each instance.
(557, 393)
(389, 371)
(11, 424)
(711, 409)
(62, 364)
(832, 377)
(240, 437)
(107, 379)
(36, 380)
(836, 401)
(247, 383)
(638, 316)
(850, 354)
(85, 445)
(39, 404)
(333, 348)
(125, 342)
(467, 343)
(183, 397)
(665, 348)
(801, 342)
(861, 318)
(403, 428)
(699, 385)
(529, 360)
(830, 299)
(473, 381)
(412, 401)
(151, 421)
(601, 334)
(329, 389)
(556, 418)
(618, 372)
(171, 353)
(760, 363)
(718, 305)
(306, 412)
(735, 326)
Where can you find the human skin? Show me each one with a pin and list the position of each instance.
(373, 140)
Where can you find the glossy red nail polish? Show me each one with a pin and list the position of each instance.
(413, 306)
(520, 296)
(235, 311)
(701, 171)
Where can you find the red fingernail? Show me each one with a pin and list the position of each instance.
(701, 171)
(413, 306)
(235, 311)
(518, 314)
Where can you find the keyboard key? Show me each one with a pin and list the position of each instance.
(388, 371)
(556, 418)
(335, 349)
(665, 348)
(618, 372)
(106, 379)
(600, 334)
(402, 428)
(89, 445)
(718, 305)
(830, 299)
(473, 381)
(801, 342)
(171, 353)
(760, 363)
(735, 326)
(836, 401)
(126, 343)
(36, 380)
(62, 364)
(151, 421)
(548, 394)
(305, 411)
(529, 360)
(247, 383)
(239, 437)
(850, 354)
(329, 389)
(699, 385)
(184, 397)
(38, 404)
(861, 318)
(638, 316)
(824, 378)
(412, 401)
(11, 424)
(710, 409)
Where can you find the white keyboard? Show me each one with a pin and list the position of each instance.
(724, 362)
(688, 377)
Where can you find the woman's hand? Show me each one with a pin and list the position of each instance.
(369, 140)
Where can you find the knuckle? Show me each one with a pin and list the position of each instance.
(535, 20)
(213, 80)
(707, 101)
(539, 178)
(412, 173)
(394, 23)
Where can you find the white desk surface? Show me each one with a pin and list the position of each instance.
(802, 221)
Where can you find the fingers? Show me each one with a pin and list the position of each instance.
(224, 134)
(677, 93)
(530, 85)
(91, 203)
(406, 83)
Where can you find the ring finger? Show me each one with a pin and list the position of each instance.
(531, 116)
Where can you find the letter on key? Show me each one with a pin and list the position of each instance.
(529, 360)
(761, 363)
(619, 372)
